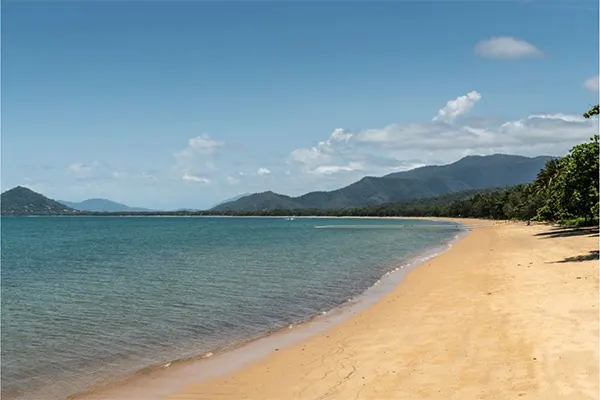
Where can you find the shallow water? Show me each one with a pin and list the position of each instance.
(88, 299)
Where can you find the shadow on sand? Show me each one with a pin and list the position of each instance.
(592, 255)
(566, 232)
(559, 232)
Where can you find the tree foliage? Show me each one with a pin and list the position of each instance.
(574, 191)
(593, 111)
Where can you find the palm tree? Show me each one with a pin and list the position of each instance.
(547, 176)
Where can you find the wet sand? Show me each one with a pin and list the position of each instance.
(510, 311)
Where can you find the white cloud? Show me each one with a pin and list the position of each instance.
(559, 116)
(263, 171)
(316, 154)
(193, 162)
(396, 147)
(550, 127)
(194, 178)
(506, 48)
(203, 144)
(340, 135)
(324, 152)
(333, 169)
(456, 107)
(592, 83)
(199, 151)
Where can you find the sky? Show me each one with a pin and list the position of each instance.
(182, 104)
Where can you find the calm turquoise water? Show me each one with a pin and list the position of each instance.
(87, 299)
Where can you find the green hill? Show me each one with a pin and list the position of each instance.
(469, 173)
(23, 201)
(478, 172)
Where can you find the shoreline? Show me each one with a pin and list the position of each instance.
(524, 323)
(230, 358)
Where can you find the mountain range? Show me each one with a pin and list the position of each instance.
(101, 205)
(24, 201)
(468, 173)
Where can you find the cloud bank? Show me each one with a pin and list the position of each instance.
(450, 135)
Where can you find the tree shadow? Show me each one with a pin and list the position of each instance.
(567, 232)
(592, 255)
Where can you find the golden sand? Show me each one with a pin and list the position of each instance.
(509, 312)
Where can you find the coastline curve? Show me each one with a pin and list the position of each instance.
(157, 381)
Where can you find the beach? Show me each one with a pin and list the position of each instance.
(510, 311)
(116, 297)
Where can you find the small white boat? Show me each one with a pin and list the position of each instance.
(290, 219)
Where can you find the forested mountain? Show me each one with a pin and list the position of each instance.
(23, 201)
(480, 172)
(566, 190)
(469, 173)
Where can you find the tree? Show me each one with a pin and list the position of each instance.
(573, 190)
(548, 175)
(593, 111)
(581, 178)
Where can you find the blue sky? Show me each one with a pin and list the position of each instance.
(183, 104)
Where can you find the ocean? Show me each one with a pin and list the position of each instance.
(90, 300)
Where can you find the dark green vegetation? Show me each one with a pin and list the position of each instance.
(469, 173)
(101, 205)
(593, 111)
(23, 201)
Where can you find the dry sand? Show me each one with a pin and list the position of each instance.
(511, 311)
